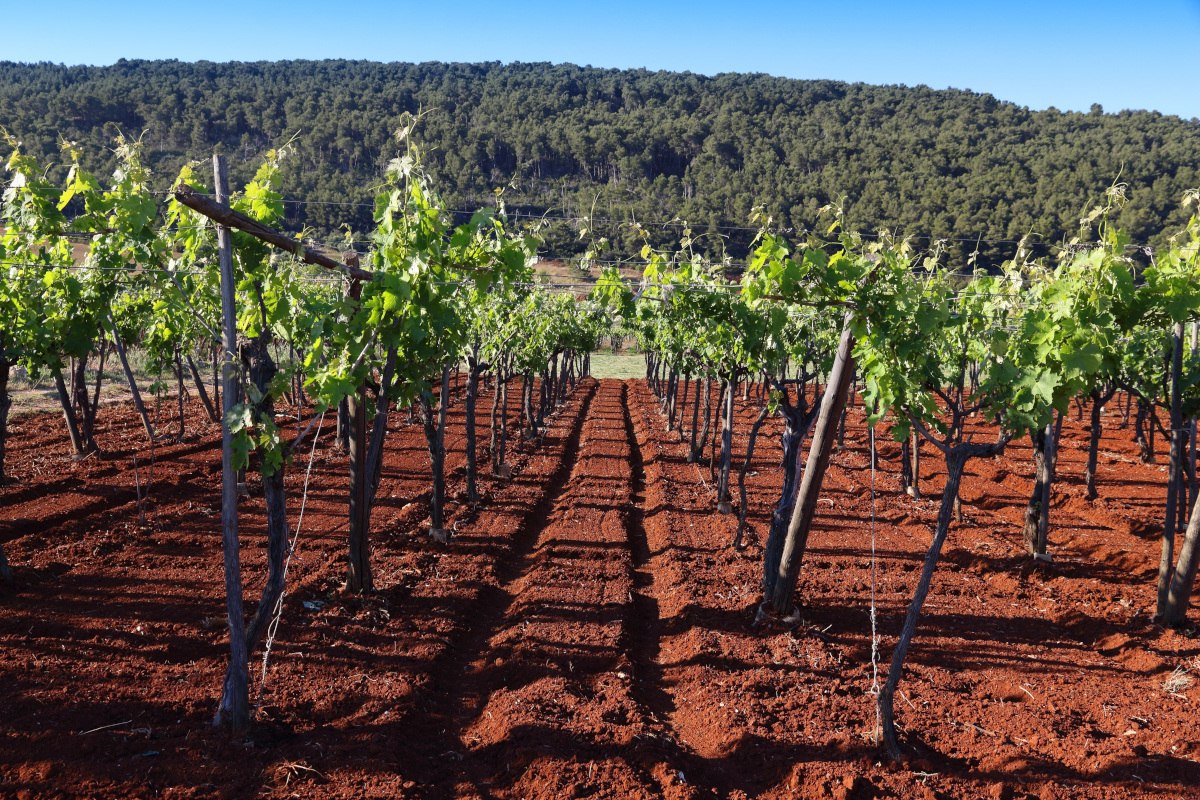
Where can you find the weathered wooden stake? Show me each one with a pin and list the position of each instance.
(234, 708)
(1167, 562)
(358, 574)
(779, 593)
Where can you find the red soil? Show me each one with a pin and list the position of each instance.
(588, 632)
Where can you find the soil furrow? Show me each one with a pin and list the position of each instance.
(645, 622)
(554, 673)
(703, 621)
(458, 689)
(462, 602)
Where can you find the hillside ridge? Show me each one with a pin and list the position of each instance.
(572, 141)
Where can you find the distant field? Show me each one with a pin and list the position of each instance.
(28, 397)
(620, 367)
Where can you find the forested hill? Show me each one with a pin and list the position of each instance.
(631, 144)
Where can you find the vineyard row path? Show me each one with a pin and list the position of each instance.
(587, 633)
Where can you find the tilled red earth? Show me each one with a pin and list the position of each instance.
(588, 632)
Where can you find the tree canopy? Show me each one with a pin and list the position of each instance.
(626, 145)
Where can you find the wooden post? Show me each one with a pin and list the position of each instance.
(1193, 482)
(1167, 562)
(779, 594)
(723, 497)
(223, 215)
(956, 459)
(90, 423)
(358, 574)
(438, 462)
(235, 700)
(179, 386)
(501, 466)
(914, 450)
(5, 405)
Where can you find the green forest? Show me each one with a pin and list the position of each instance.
(628, 145)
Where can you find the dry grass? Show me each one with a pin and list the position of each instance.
(1181, 679)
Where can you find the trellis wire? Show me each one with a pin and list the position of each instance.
(678, 223)
(273, 628)
(874, 691)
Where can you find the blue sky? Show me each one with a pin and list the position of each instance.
(1063, 54)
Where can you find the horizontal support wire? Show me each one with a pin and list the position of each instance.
(683, 223)
(728, 289)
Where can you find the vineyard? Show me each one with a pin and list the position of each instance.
(872, 524)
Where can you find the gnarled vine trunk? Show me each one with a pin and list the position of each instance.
(366, 463)
(261, 369)
(1098, 401)
(955, 461)
(5, 405)
(753, 438)
(205, 400)
(359, 577)
(502, 450)
(797, 420)
(726, 447)
(1173, 475)
(1145, 451)
(781, 580)
(672, 385)
(1033, 510)
(687, 384)
(133, 387)
(435, 436)
(695, 418)
(64, 400)
(474, 368)
(1037, 512)
(697, 449)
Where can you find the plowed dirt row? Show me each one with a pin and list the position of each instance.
(113, 624)
(551, 704)
(1023, 682)
(589, 631)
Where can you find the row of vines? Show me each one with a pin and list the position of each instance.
(284, 326)
(936, 352)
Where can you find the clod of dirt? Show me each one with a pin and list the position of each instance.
(1000, 791)
(1006, 691)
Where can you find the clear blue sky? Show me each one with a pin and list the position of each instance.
(1063, 54)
